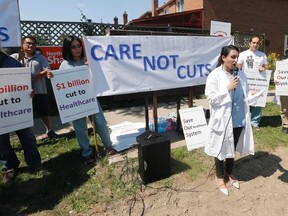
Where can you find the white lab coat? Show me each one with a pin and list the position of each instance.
(220, 140)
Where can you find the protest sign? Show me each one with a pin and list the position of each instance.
(53, 54)
(258, 82)
(194, 127)
(133, 64)
(281, 78)
(74, 93)
(15, 101)
(220, 29)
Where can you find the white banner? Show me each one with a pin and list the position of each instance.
(258, 81)
(130, 64)
(15, 102)
(10, 30)
(281, 78)
(194, 127)
(74, 93)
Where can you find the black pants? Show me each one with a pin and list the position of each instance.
(219, 164)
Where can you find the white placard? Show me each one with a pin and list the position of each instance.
(220, 29)
(74, 93)
(194, 127)
(10, 29)
(15, 102)
(281, 78)
(259, 81)
(133, 64)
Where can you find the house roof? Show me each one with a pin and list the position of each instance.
(192, 18)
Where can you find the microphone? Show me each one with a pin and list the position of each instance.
(235, 71)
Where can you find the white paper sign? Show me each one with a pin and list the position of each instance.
(123, 135)
(133, 64)
(74, 93)
(10, 30)
(194, 127)
(281, 78)
(220, 29)
(15, 102)
(258, 81)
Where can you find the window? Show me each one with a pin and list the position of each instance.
(166, 10)
(179, 5)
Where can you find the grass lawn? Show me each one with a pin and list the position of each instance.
(68, 186)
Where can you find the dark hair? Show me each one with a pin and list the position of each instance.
(254, 36)
(66, 49)
(30, 37)
(225, 52)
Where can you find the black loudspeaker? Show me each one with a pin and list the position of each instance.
(154, 154)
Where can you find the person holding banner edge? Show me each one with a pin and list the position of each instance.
(73, 55)
(26, 137)
(253, 59)
(229, 127)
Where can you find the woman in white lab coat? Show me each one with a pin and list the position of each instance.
(229, 127)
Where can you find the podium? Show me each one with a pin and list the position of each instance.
(154, 155)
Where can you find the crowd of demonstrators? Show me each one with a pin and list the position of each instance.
(73, 55)
(26, 137)
(39, 69)
(229, 127)
(254, 59)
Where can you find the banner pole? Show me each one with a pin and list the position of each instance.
(94, 134)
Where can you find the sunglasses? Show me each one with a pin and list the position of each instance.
(76, 46)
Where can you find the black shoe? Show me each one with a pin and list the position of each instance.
(89, 159)
(52, 135)
(36, 168)
(8, 175)
(111, 151)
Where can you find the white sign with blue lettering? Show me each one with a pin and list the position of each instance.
(10, 30)
(130, 64)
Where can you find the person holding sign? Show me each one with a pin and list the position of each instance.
(229, 127)
(26, 137)
(40, 69)
(73, 55)
(253, 59)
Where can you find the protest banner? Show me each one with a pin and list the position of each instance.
(281, 78)
(74, 93)
(194, 127)
(16, 110)
(10, 30)
(130, 64)
(258, 82)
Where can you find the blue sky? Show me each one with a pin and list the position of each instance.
(69, 10)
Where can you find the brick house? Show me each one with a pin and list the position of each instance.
(262, 17)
